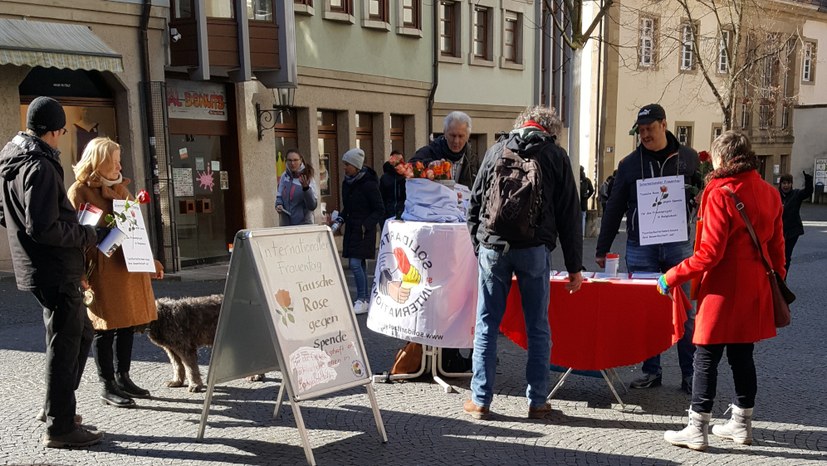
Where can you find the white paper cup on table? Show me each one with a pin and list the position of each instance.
(612, 263)
(112, 242)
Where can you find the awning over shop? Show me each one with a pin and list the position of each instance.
(55, 45)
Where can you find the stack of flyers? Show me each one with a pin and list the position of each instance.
(88, 214)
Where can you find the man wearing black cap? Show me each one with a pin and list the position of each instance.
(659, 154)
(47, 245)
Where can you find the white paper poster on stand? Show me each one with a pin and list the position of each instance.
(136, 248)
(661, 207)
(425, 285)
(287, 307)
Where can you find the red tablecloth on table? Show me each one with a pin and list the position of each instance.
(605, 324)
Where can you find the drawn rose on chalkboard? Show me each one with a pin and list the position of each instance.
(285, 303)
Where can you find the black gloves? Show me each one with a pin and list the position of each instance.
(101, 233)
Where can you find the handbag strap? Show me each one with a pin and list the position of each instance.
(739, 205)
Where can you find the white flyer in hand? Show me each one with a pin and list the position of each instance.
(88, 214)
(136, 249)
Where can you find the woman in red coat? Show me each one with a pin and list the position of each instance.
(735, 301)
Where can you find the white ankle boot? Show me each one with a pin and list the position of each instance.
(738, 428)
(694, 436)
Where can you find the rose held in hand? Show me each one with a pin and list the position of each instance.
(113, 218)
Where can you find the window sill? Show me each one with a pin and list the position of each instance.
(375, 24)
(337, 16)
(811, 82)
(304, 9)
(407, 31)
(474, 61)
(450, 59)
(511, 65)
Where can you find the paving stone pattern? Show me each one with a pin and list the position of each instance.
(424, 424)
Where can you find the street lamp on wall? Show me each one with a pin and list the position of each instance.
(268, 118)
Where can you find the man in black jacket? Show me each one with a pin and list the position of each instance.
(453, 146)
(659, 154)
(534, 137)
(47, 245)
(792, 199)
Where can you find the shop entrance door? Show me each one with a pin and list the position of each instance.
(200, 184)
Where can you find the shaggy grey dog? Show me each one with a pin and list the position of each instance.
(183, 325)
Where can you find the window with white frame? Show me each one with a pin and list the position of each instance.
(338, 10)
(512, 37)
(717, 130)
(410, 14)
(765, 116)
(767, 77)
(449, 29)
(723, 51)
(646, 49)
(808, 62)
(482, 39)
(684, 134)
(376, 14)
(687, 47)
(745, 113)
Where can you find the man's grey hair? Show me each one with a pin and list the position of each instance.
(458, 117)
(544, 116)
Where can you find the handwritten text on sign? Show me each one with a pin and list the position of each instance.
(313, 321)
(661, 205)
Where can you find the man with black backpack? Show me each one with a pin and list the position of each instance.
(524, 197)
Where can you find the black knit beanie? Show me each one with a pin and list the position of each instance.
(45, 114)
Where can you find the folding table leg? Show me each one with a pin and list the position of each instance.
(613, 372)
(559, 384)
(612, 388)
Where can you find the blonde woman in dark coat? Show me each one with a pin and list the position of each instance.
(122, 299)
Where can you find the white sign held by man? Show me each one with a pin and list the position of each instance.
(661, 204)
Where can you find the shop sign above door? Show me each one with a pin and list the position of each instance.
(190, 100)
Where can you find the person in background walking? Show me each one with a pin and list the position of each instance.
(122, 300)
(586, 192)
(46, 243)
(392, 186)
(362, 210)
(606, 190)
(297, 196)
(734, 298)
(792, 199)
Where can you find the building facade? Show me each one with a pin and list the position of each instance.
(94, 58)
(665, 54)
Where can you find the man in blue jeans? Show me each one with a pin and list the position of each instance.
(659, 154)
(501, 256)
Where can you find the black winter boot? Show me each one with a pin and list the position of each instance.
(113, 396)
(128, 386)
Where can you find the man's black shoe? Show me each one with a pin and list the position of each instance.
(647, 381)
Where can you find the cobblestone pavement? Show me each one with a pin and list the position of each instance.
(424, 424)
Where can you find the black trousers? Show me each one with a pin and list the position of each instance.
(705, 381)
(107, 360)
(68, 339)
(789, 245)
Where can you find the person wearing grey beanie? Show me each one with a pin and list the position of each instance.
(362, 211)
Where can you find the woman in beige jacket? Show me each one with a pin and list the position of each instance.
(122, 299)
